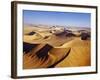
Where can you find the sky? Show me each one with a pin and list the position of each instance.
(57, 18)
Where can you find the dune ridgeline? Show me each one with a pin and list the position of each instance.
(49, 47)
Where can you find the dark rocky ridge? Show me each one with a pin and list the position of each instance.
(67, 33)
(31, 33)
(85, 36)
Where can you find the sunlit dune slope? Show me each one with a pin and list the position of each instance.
(54, 55)
(30, 38)
(52, 40)
(79, 54)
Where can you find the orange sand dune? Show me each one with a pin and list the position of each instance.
(52, 40)
(65, 50)
(54, 56)
(79, 54)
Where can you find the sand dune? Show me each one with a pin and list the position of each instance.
(30, 38)
(43, 49)
(79, 54)
(52, 40)
(48, 56)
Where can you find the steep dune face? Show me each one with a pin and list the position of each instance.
(79, 54)
(60, 54)
(43, 56)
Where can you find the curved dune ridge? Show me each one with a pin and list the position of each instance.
(54, 40)
(79, 54)
(44, 55)
(35, 36)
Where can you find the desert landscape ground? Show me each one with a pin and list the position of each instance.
(50, 46)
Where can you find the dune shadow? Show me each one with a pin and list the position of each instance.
(27, 47)
(43, 52)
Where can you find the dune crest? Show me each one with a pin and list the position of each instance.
(79, 54)
(44, 56)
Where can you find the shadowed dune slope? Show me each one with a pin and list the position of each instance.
(28, 47)
(43, 56)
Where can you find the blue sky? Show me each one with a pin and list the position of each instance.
(57, 18)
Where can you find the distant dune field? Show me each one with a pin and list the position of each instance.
(55, 47)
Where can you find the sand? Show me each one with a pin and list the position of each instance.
(79, 54)
(65, 52)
